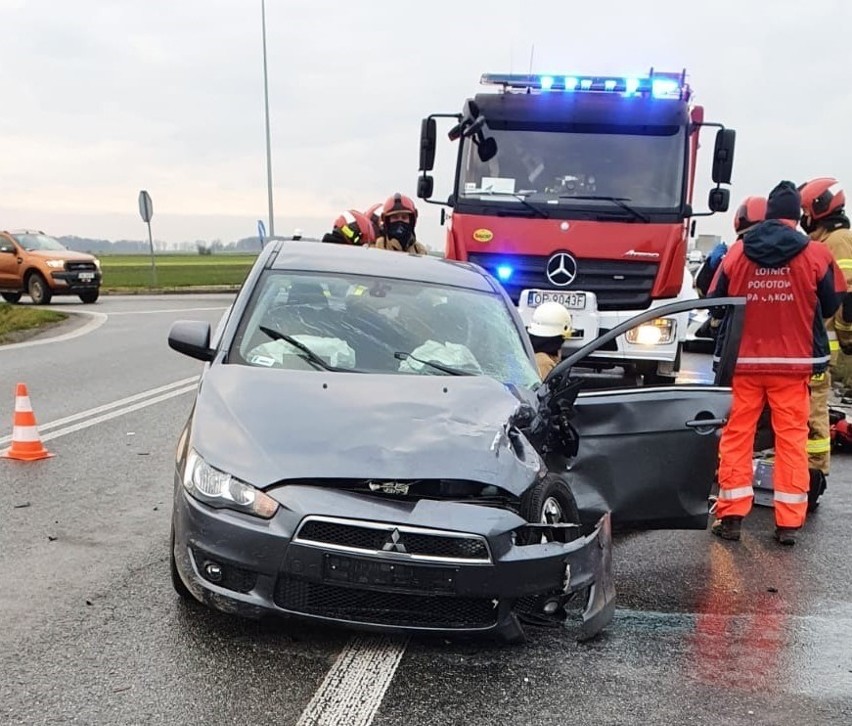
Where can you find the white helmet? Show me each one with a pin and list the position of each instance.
(549, 320)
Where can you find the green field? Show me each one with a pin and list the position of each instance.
(134, 271)
(14, 318)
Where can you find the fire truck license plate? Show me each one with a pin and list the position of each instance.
(571, 300)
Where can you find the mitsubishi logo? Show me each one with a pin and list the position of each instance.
(561, 269)
(393, 543)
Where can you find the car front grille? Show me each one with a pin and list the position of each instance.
(419, 543)
(618, 284)
(385, 608)
(80, 266)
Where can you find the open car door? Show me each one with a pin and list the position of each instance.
(647, 454)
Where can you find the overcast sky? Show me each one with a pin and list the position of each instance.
(102, 98)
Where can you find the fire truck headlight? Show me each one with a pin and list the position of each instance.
(504, 272)
(655, 332)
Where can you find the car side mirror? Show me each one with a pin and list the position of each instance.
(723, 156)
(428, 143)
(719, 200)
(487, 149)
(425, 186)
(192, 338)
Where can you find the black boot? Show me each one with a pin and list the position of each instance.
(816, 488)
(728, 528)
(786, 535)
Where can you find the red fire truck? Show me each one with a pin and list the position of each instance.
(579, 189)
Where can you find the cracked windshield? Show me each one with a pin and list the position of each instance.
(381, 325)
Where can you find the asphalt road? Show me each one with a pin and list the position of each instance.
(706, 632)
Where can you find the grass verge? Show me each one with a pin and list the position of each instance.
(134, 271)
(15, 319)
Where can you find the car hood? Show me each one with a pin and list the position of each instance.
(267, 426)
(63, 255)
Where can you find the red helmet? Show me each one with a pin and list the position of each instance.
(399, 203)
(822, 197)
(374, 214)
(355, 227)
(751, 211)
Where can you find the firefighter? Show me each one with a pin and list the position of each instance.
(551, 325)
(398, 220)
(749, 213)
(824, 220)
(785, 278)
(374, 214)
(351, 228)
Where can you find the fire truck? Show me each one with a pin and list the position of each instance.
(578, 189)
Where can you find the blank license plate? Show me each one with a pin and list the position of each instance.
(394, 575)
(86, 276)
(571, 300)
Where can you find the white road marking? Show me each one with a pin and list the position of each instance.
(353, 689)
(99, 414)
(97, 320)
(172, 310)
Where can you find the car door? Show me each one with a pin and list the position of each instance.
(8, 264)
(648, 454)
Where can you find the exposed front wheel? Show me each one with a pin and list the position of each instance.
(38, 290)
(550, 502)
(12, 297)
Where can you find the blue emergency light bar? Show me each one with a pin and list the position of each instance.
(655, 85)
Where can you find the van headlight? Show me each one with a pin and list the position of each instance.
(222, 490)
(655, 332)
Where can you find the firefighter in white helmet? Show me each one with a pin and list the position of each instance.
(551, 325)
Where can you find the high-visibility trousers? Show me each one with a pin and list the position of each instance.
(788, 398)
(819, 433)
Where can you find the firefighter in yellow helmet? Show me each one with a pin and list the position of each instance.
(824, 220)
(550, 326)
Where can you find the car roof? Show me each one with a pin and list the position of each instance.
(338, 258)
(23, 231)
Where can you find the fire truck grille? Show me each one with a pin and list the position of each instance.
(618, 284)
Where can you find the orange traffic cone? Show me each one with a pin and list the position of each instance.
(26, 442)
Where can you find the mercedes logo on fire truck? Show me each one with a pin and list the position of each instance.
(561, 269)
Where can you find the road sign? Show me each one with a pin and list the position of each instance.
(146, 206)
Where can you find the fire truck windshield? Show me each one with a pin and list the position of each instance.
(559, 168)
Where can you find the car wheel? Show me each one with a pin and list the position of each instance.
(12, 297)
(177, 583)
(90, 296)
(549, 502)
(38, 289)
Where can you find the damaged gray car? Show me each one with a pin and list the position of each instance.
(370, 445)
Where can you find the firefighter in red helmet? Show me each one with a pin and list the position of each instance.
(374, 214)
(751, 211)
(824, 219)
(398, 219)
(351, 228)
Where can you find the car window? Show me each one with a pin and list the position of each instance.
(361, 323)
(39, 242)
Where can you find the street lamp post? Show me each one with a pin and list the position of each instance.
(266, 104)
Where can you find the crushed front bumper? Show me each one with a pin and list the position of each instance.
(383, 564)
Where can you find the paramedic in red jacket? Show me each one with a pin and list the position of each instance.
(791, 285)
